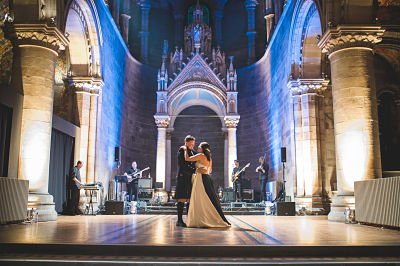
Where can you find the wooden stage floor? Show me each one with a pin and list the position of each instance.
(161, 230)
(249, 237)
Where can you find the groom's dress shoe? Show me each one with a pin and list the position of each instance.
(180, 223)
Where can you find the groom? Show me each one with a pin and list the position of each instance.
(184, 178)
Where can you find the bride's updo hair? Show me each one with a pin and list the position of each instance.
(206, 150)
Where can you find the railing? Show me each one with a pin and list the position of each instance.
(13, 200)
(378, 201)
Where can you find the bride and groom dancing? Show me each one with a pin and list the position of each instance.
(195, 187)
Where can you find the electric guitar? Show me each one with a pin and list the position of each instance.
(133, 176)
(236, 175)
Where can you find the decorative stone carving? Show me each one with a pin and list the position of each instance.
(40, 35)
(198, 36)
(89, 85)
(304, 86)
(343, 37)
(231, 121)
(231, 77)
(197, 70)
(162, 120)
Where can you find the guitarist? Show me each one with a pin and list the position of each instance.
(262, 171)
(238, 183)
(132, 186)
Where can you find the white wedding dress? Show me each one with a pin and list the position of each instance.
(205, 209)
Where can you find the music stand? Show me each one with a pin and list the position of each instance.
(119, 179)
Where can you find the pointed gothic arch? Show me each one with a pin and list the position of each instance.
(196, 93)
(306, 29)
(82, 26)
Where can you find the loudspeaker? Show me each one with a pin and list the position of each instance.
(145, 194)
(145, 183)
(283, 154)
(228, 195)
(248, 194)
(114, 207)
(285, 208)
(116, 154)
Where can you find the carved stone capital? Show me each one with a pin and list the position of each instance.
(162, 120)
(231, 121)
(343, 37)
(37, 34)
(304, 86)
(89, 85)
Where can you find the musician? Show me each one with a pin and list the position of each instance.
(75, 184)
(133, 176)
(237, 181)
(262, 171)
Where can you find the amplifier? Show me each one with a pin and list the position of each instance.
(248, 194)
(285, 208)
(114, 207)
(144, 183)
(145, 193)
(228, 195)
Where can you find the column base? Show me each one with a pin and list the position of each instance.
(44, 205)
(339, 205)
(315, 205)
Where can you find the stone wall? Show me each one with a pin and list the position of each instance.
(265, 108)
(127, 105)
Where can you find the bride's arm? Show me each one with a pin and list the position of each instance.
(193, 158)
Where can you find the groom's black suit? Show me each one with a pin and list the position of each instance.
(184, 177)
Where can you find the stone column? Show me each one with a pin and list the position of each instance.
(162, 122)
(251, 29)
(116, 5)
(168, 161)
(269, 19)
(36, 51)
(355, 109)
(218, 16)
(87, 90)
(306, 94)
(144, 33)
(231, 123)
(124, 19)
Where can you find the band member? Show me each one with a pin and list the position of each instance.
(75, 183)
(237, 181)
(262, 171)
(184, 178)
(133, 176)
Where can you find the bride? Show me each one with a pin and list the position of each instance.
(205, 209)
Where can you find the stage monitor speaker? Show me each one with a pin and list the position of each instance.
(145, 183)
(116, 154)
(248, 194)
(285, 208)
(283, 154)
(145, 194)
(114, 207)
(228, 195)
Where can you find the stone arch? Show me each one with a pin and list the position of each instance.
(83, 29)
(305, 32)
(196, 93)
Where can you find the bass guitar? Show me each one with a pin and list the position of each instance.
(134, 176)
(236, 175)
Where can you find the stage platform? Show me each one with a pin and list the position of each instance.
(234, 208)
(155, 240)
